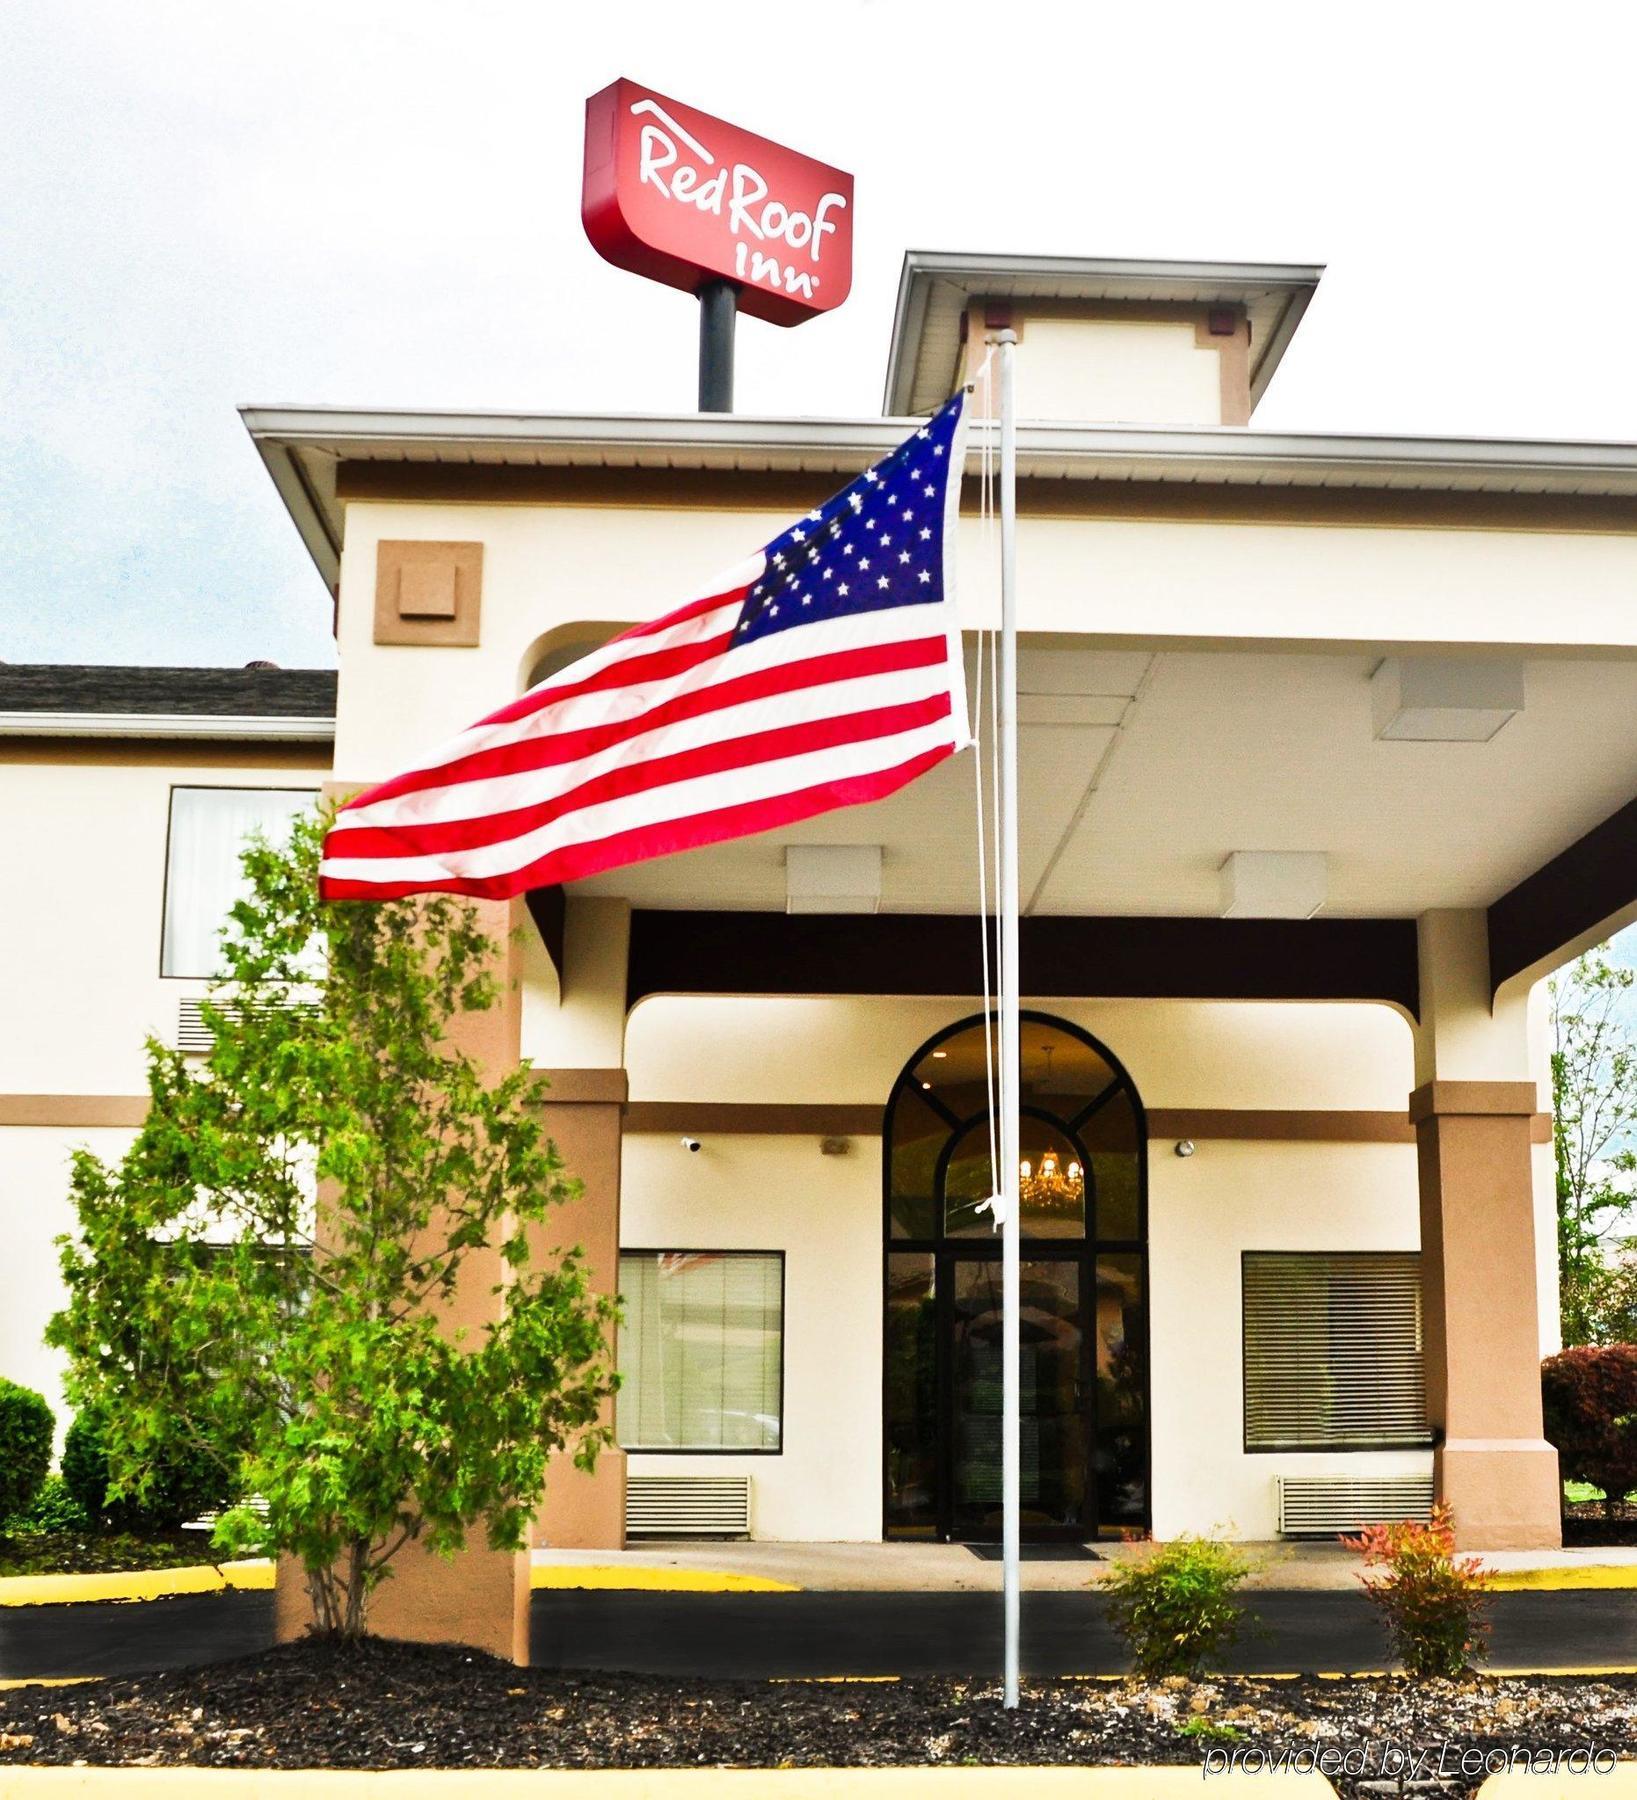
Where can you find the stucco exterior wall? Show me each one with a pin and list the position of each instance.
(82, 974)
(35, 1211)
(824, 1212)
(1155, 583)
(82, 987)
(1118, 371)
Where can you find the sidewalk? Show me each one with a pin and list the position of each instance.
(955, 1568)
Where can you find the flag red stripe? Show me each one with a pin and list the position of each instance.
(538, 697)
(634, 778)
(681, 616)
(656, 665)
(526, 754)
(576, 862)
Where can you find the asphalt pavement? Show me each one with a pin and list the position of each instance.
(840, 1633)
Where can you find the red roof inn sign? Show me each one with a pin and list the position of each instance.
(686, 199)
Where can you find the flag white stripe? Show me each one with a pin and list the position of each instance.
(506, 793)
(656, 806)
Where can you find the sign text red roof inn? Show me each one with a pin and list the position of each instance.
(683, 198)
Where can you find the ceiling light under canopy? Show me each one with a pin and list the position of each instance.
(1444, 699)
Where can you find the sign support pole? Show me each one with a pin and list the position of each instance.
(718, 309)
(1010, 1040)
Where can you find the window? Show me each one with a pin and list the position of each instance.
(702, 1350)
(1333, 1351)
(203, 882)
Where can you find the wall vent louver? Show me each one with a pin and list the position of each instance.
(687, 1506)
(193, 1036)
(1322, 1505)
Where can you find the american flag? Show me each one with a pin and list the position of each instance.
(825, 673)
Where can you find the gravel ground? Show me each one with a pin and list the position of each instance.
(389, 1705)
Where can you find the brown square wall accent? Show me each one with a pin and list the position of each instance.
(427, 592)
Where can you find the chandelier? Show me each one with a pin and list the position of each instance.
(1053, 1188)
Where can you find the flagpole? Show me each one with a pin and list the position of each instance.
(1010, 1059)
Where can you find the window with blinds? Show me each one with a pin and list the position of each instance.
(701, 1350)
(1333, 1351)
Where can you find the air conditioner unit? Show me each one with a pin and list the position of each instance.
(687, 1506)
(1325, 1505)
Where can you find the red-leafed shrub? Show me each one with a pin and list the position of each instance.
(1434, 1600)
(1589, 1395)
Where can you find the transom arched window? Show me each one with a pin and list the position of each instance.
(1081, 1139)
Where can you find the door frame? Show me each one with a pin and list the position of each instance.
(1089, 1249)
(1077, 1251)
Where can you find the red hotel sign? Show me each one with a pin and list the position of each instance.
(680, 197)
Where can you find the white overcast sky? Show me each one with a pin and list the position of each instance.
(378, 204)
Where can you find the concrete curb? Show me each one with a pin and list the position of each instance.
(1561, 1580)
(1152, 1783)
(258, 1575)
(648, 1579)
(133, 1584)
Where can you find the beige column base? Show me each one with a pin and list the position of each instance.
(580, 1511)
(582, 1112)
(1505, 1492)
(479, 1597)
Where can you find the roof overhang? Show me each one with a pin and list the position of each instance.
(303, 447)
(167, 727)
(936, 287)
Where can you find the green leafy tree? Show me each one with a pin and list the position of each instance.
(1594, 1112)
(269, 1273)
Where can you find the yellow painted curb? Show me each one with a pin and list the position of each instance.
(1618, 1783)
(1587, 1575)
(132, 1584)
(1161, 1783)
(654, 1580)
(30, 1681)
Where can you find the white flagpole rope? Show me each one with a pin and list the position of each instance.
(1010, 1045)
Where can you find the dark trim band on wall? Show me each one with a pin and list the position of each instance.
(761, 490)
(580, 1087)
(1280, 1125)
(1061, 958)
(1248, 1125)
(73, 1111)
(1595, 878)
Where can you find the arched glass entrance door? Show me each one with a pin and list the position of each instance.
(1084, 1320)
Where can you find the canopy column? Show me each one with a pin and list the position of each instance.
(574, 1033)
(479, 1596)
(1474, 1111)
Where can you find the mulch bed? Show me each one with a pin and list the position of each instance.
(1587, 1523)
(392, 1705)
(100, 1552)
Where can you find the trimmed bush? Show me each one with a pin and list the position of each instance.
(1178, 1608)
(1434, 1601)
(180, 1484)
(53, 1512)
(26, 1431)
(1589, 1395)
